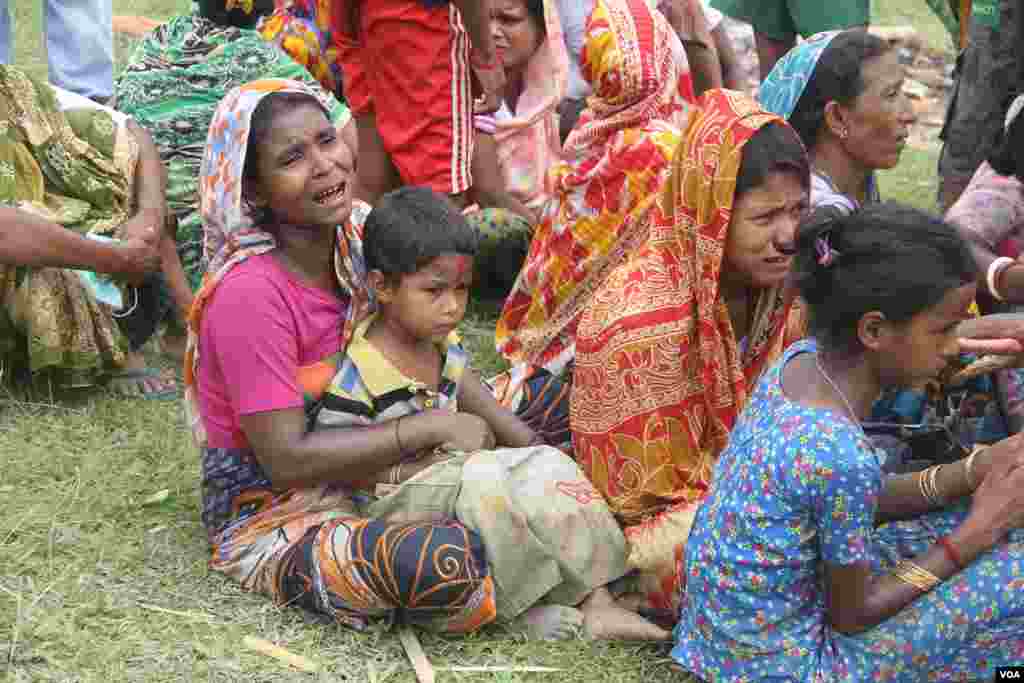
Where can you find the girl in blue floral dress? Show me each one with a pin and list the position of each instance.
(806, 563)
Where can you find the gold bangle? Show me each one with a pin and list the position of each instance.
(914, 575)
(927, 481)
(969, 468)
(940, 498)
(922, 486)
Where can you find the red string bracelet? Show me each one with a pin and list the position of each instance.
(951, 552)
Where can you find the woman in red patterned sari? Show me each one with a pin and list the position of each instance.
(616, 160)
(669, 346)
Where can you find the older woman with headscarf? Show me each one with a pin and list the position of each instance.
(617, 159)
(842, 92)
(671, 343)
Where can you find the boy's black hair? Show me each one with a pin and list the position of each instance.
(774, 148)
(889, 258)
(837, 77)
(410, 227)
(1007, 156)
(260, 124)
(215, 11)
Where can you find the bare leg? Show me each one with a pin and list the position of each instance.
(549, 622)
(770, 51)
(172, 343)
(375, 174)
(177, 283)
(605, 619)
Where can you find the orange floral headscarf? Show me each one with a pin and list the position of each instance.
(232, 234)
(616, 160)
(660, 376)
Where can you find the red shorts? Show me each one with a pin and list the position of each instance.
(409, 65)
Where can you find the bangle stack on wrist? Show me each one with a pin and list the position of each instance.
(916, 576)
(927, 480)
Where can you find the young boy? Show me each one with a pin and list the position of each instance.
(551, 543)
(406, 359)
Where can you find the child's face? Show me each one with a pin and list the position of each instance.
(429, 303)
(306, 171)
(922, 347)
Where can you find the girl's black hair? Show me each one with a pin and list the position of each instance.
(535, 8)
(237, 17)
(410, 227)
(260, 124)
(837, 76)
(774, 148)
(884, 257)
(1007, 156)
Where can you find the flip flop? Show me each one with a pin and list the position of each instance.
(136, 380)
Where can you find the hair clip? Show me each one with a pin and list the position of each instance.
(826, 254)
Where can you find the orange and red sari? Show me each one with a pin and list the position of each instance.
(660, 376)
(616, 160)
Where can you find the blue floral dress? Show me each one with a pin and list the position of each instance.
(798, 487)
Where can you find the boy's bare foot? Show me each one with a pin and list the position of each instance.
(549, 622)
(604, 619)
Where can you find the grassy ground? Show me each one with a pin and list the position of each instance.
(102, 556)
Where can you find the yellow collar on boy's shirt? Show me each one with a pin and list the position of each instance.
(380, 376)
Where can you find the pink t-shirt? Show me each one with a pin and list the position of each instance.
(262, 328)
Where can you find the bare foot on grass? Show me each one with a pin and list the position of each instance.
(605, 619)
(549, 622)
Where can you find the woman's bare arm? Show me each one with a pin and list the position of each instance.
(295, 458)
(29, 240)
(857, 600)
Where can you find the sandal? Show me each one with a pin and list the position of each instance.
(144, 383)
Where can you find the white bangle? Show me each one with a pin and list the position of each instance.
(994, 269)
